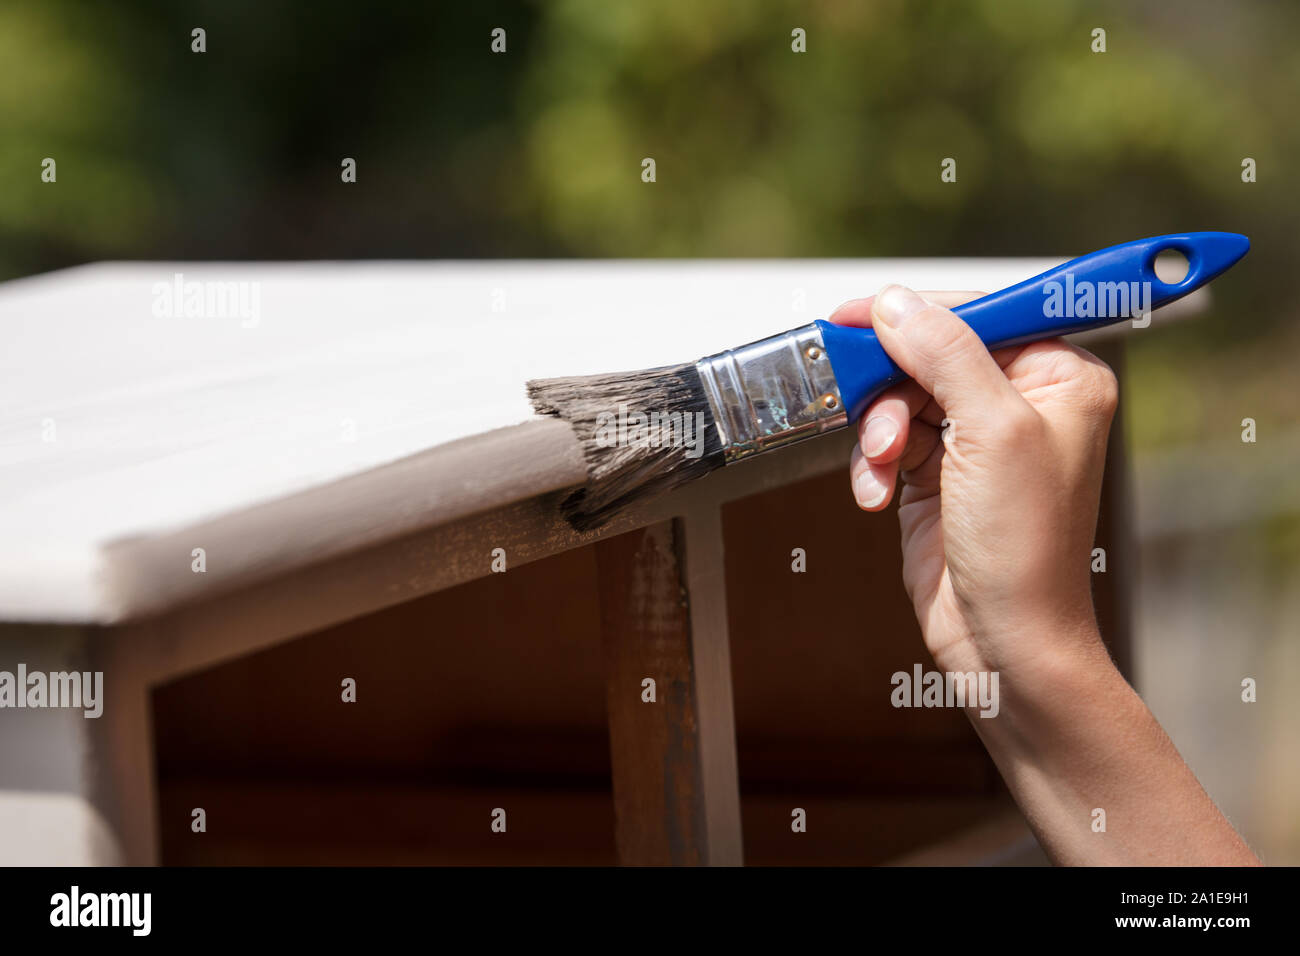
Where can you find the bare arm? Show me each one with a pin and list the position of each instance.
(1000, 461)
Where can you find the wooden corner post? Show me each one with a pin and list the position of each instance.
(672, 743)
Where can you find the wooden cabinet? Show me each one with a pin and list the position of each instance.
(232, 521)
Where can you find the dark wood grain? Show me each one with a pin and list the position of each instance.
(654, 747)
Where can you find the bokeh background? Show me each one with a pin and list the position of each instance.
(235, 153)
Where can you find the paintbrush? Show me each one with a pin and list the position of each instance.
(646, 432)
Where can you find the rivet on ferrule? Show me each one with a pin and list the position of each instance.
(772, 392)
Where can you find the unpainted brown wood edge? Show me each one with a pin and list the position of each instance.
(702, 555)
(264, 612)
(435, 487)
(654, 745)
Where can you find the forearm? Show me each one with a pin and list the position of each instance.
(1074, 738)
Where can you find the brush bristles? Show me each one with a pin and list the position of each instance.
(642, 433)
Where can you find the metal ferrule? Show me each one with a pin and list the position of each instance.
(772, 392)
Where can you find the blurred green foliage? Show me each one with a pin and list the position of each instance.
(760, 151)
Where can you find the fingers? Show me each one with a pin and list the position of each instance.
(922, 442)
(921, 464)
(857, 312)
(882, 431)
(953, 374)
(1055, 372)
(873, 484)
(874, 481)
(885, 433)
(942, 353)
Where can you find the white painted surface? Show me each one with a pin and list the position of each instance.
(54, 829)
(163, 423)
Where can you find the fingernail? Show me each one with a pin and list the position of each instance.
(895, 303)
(868, 490)
(878, 435)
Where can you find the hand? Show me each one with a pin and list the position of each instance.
(1001, 458)
(998, 513)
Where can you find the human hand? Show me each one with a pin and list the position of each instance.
(999, 514)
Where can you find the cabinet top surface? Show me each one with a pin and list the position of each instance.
(141, 399)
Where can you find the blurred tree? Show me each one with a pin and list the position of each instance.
(760, 149)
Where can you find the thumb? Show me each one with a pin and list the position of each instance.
(941, 352)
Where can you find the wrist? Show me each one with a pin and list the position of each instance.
(1045, 668)
(1064, 687)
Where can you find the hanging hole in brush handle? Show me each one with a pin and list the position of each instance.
(1171, 266)
(1111, 285)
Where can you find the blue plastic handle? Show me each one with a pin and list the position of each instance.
(1098, 289)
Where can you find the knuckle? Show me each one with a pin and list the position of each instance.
(940, 333)
(1018, 426)
(1102, 389)
(1108, 385)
